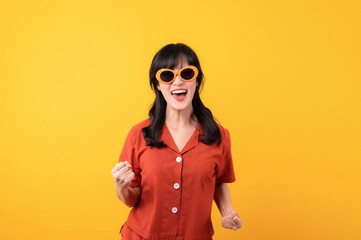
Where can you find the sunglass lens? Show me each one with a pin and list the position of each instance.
(167, 76)
(187, 74)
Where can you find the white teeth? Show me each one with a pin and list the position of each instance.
(179, 91)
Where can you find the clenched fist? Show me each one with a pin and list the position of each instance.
(122, 175)
(232, 221)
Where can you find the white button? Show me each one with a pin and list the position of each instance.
(174, 210)
(179, 159)
(176, 185)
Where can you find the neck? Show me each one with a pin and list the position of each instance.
(180, 118)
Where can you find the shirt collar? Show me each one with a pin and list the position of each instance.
(193, 141)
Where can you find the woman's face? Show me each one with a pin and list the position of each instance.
(179, 102)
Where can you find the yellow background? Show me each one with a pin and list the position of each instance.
(282, 76)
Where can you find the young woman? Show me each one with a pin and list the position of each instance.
(174, 163)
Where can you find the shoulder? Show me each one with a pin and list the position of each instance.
(140, 125)
(136, 129)
(224, 131)
(225, 135)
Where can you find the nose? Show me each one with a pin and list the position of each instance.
(178, 80)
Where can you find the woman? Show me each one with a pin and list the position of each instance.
(176, 162)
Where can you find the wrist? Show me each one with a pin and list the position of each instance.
(227, 212)
(123, 192)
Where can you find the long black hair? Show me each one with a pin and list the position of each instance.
(168, 57)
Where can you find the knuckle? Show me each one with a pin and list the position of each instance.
(119, 177)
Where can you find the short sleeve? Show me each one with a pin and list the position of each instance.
(128, 154)
(224, 169)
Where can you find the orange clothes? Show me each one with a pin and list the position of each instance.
(177, 187)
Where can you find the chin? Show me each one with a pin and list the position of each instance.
(180, 106)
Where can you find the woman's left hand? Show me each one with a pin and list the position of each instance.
(232, 221)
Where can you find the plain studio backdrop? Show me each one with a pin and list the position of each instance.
(282, 76)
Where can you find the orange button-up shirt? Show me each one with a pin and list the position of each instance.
(177, 187)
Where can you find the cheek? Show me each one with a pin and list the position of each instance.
(164, 90)
(167, 95)
(192, 89)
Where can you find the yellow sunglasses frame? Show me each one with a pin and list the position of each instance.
(160, 71)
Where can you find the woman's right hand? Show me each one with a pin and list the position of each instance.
(122, 175)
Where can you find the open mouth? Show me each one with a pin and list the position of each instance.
(179, 95)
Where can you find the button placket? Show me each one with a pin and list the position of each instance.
(176, 185)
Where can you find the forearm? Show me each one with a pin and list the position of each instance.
(222, 197)
(129, 196)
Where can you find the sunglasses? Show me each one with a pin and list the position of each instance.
(167, 76)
